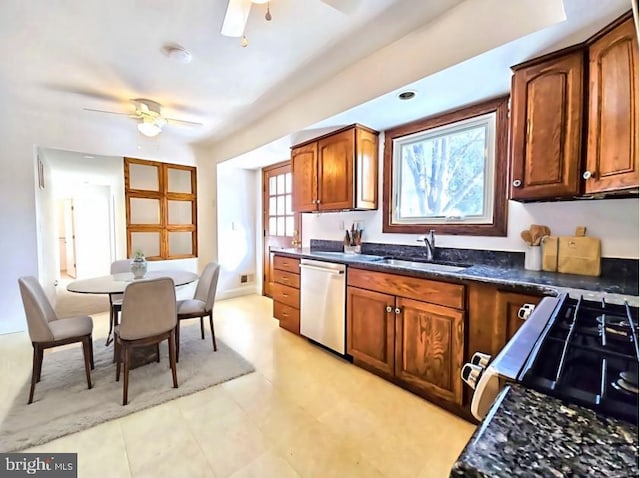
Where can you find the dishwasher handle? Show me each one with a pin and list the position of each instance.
(321, 269)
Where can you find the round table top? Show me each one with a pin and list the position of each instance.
(116, 283)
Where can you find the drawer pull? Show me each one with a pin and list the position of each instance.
(285, 295)
(284, 314)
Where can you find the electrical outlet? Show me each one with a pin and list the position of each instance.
(244, 278)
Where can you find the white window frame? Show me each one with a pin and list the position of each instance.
(489, 121)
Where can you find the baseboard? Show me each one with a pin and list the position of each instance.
(237, 292)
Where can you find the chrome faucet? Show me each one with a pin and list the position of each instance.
(430, 244)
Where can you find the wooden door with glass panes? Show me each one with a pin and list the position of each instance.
(161, 209)
(280, 224)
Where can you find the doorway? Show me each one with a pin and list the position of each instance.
(280, 225)
(67, 238)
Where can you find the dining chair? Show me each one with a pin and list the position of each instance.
(201, 305)
(47, 330)
(115, 300)
(148, 318)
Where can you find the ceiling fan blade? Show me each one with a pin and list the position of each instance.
(174, 120)
(111, 112)
(236, 18)
(345, 6)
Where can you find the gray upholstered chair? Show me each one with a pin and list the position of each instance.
(115, 300)
(201, 305)
(148, 317)
(46, 330)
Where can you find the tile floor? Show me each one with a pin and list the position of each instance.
(303, 413)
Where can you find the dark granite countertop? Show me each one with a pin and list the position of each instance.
(528, 434)
(513, 277)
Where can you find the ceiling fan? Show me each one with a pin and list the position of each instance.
(149, 116)
(237, 14)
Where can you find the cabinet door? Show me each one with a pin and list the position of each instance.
(335, 171)
(304, 164)
(509, 304)
(612, 151)
(430, 348)
(547, 128)
(366, 169)
(370, 329)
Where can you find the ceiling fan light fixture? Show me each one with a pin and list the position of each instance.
(177, 53)
(149, 127)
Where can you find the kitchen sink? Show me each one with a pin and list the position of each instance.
(426, 266)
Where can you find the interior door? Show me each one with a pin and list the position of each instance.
(69, 238)
(280, 224)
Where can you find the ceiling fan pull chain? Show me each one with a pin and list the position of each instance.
(268, 16)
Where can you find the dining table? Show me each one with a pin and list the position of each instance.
(117, 283)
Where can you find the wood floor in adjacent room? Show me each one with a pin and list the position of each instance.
(303, 413)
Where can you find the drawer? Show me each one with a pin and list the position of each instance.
(286, 295)
(288, 316)
(286, 264)
(286, 278)
(425, 290)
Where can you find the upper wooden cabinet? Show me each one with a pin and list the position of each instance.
(612, 130)
(336, 171)
(556, 151)
(546, 121)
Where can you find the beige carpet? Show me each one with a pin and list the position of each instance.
(63, 404)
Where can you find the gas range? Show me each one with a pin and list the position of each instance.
(588, 355)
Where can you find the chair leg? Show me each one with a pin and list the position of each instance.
(202, 327)
(125, 386)
(91, 352)
(111, 321)
(213, 334)
(158, 352)
(117, 357)
(178, 341)
(34, 372)
(86, 349)
(172, 357)
(40, 356)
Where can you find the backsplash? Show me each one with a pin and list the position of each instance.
(626, 271)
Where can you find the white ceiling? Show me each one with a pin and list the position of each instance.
(65, 55)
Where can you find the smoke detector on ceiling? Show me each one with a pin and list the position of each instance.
(177, 53)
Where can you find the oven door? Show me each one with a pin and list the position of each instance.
(487, 378)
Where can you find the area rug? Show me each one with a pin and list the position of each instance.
(63, 404)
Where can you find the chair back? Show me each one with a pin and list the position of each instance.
(148, 308)
(122, 265)
(207, 285)
(37, 308)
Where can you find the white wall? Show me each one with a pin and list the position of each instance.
(237, 218)
(615, 221)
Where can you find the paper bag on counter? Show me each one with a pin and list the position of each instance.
(579, 254)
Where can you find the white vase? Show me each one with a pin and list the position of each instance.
(139, 267)
(533, 258)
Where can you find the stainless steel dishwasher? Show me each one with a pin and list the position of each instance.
(322, 303)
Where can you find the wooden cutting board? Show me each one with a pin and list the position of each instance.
(572, 254)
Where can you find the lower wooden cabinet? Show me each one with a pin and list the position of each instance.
(285, 292)
(371, 329)
(430, 348)
(415, 343)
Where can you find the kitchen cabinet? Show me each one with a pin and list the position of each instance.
(408, 330)
(285, 292)
(556, 150)
(493, 317)
(337, 171)
(612, 130)
(546, 126)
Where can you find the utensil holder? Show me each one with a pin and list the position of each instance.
(533, 258)
(352, 249)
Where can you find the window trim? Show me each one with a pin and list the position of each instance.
(498, 227)
(164, 196)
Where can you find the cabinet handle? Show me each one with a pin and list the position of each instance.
(525, 311)
(517, 183)
(389, 308)
(398, 310)
(587, 175)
